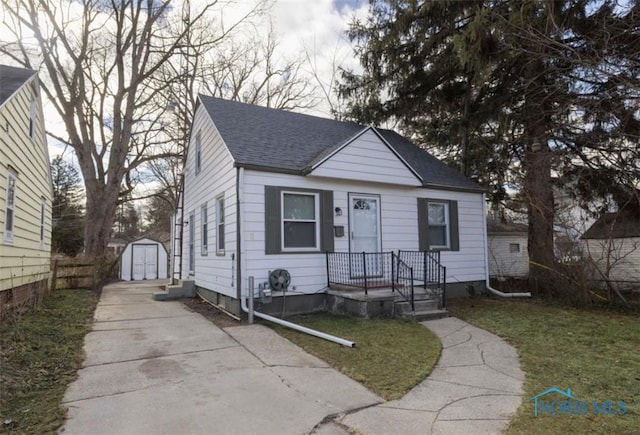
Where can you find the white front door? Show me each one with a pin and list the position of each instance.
(364, 225)
(151, 262)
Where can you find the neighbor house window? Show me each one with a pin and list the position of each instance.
(300, 221)
(514, 248)
(10, 209)
(204, 249)
(198, 152)
(192, 237)
(438, 225)
(42, 211)
(32, 120)
(220, 225)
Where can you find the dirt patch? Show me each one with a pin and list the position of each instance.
(216, 316)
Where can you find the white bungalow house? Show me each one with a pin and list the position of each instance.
(326, 204)
(25, 190)
(612, 245)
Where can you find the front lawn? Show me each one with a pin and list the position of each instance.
(40, 353)
(390, 357)
(596, 354)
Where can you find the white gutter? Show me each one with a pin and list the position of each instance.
(486, 260)
(244, 297)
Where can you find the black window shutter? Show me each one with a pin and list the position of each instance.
(326, 219)
(423, 224)
(453, 224)
(272, 228)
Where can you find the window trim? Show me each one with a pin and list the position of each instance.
(204, 231)
(423, 225)
(9, 234)
(447, 225)
(220, 225)
(273, 224)
(198, 153)
(514, 248)
(316, 221)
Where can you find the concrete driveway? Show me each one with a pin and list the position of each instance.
(157, 368)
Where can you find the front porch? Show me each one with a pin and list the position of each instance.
(387, 284)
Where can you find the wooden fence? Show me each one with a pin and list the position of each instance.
(81, 273)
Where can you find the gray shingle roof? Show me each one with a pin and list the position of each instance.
(620, 225)
(11, 79)
(282, 141)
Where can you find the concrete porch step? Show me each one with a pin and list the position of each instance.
(420, 305)
(184, 288)
(421, 316)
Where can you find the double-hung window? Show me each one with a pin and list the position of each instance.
(32, 119)
(192, 237)
(220, 225)
(10, 209)
(204, 248)
(300, 221)
(439, 225)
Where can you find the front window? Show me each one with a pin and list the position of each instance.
(438, 225)
(192, 236)
(10, 210)
(32, 120)
(300, 229)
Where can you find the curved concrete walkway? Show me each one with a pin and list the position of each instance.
(157, 368)
(475, 388)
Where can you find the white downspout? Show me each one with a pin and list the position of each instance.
(245, 293)
(486, 260)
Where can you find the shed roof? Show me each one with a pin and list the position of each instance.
(12, 79)
(494, 226)
(619, 225)
(281, 141)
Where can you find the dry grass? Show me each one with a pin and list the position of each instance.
(40, 352)
(595, 353)
(390, 357)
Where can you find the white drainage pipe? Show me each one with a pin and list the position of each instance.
(249, 310)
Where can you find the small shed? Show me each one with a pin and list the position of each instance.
(143, 259)
(508, 249)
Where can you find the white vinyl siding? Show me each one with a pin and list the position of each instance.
(192, 243)
(42, 222)
(617, 259)
(367, 158)
(215, 181)
(503, 261)
(198, 153)
(399, 228)
(32, 119)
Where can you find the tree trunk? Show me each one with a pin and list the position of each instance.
(537, 186)
(102, 202)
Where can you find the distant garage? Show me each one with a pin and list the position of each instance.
(143, 259)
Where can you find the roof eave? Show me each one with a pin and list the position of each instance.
(454, 188)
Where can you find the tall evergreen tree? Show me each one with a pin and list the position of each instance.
(68, 220)
(511, 92)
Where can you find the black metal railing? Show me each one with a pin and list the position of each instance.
(402, 272)
(365, 270)
(404, 282)
(428, 272)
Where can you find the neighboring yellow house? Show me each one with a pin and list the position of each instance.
(25, 190)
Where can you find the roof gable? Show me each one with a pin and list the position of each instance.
(366, 157)
(11, 80)
(280, 141)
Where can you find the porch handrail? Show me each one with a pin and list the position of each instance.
(404, 281)
(429, 270)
